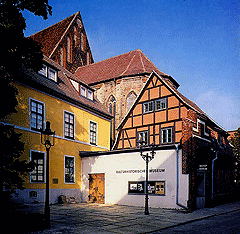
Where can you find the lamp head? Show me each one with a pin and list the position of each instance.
(47, 136)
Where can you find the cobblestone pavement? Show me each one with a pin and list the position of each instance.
(95, 218)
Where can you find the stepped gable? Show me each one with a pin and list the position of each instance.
(128, 64)
(49, 37)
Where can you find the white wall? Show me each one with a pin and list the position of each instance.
(116, 183)
(22, 196)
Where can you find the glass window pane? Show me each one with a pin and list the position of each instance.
(150, 106)
(33, 106)
(164, 136)
(40, 108)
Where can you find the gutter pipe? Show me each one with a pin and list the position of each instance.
(213, 161)
(177, 195)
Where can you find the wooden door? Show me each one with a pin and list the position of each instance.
(97, 188)
(200, 185)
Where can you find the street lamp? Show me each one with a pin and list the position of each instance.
(47, 139)
(147, 157)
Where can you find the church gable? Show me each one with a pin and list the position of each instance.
(156, 117)
(66, 43)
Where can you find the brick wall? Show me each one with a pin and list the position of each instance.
(80, 53)
(120, 89)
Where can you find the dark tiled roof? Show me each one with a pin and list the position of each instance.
(63, 88)
(129, 64)
(49, 37)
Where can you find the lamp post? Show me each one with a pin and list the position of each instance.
(47, 139)
(147, 157)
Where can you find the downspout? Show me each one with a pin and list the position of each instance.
(177, 195)
(213, 173)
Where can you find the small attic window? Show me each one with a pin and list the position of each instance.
(43, 71)
(52, 74)
(48, 72)
(83, 91)
(86, 93)
(90, 94)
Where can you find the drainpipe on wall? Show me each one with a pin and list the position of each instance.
(177, 202)
(213, 173)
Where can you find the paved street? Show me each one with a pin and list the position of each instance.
(96, 218)
(226, 224)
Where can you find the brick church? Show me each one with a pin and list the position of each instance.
(145, 103)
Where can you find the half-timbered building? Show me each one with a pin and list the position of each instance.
(118, 81)
(193, 165)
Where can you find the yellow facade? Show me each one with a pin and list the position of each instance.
(54, 112)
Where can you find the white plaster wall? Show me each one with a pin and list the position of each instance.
(183, 195)
(116, 184)
(22, 196)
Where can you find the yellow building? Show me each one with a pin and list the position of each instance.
(80, 121)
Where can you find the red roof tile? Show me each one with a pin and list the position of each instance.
(131, 63)
(49, 37)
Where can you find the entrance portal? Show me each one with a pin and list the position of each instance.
(97, 188)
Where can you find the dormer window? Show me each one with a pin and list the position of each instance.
(86, 93)
(83, 91)
(43, 71)
(90, 95)
(48, 72)
(52, 74)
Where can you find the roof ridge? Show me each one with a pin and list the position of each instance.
(54, 24)
(128, 65)
(92, 64)
(142, 62)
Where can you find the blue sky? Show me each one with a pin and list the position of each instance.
(196, 42)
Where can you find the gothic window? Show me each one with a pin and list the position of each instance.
(82, 42)
(112, 110)
(130, 100)
(88, 58)
(112, 105)
(61, 55)
(75, 35)
(68, 49)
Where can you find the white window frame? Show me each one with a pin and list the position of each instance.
(90, 132)
(74, 166)
(44, 113)
(167, 141)
(146, 107)
(204, 127)
(162, 101)
(68, 112)
(145, 133)
(43, 71)
(90, 94)
(55, 74)
(44, 163)
(83, 91)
